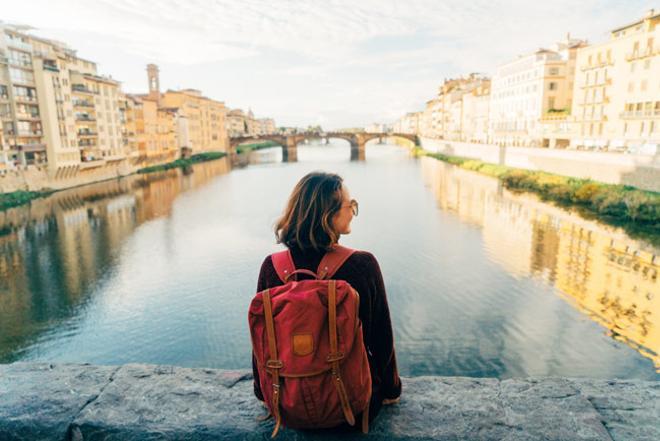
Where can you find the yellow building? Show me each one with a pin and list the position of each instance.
(206, 119)
(616, 105)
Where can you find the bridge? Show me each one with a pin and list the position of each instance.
(290, 142)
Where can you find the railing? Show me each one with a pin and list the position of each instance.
(639, 113)
(27, 116)
(20, 63)
(81, 88)
(30, 133)
(81, 103)
(87, 133)
(637, 54)
(84, 118)
(30, 99)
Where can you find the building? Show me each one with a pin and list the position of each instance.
(475, 111)
(530, 89)
(237, 124)
(57, 112)
(157, 133)
(409, 123)
(616, 105)
(266, 126)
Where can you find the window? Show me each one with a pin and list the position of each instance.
(551, 102)
(642, 86)
(554, 71)
(552, 86)
(631, 86)
(632, 66)
(647, 63)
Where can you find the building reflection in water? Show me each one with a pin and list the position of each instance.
(54, 249)
(598, 269)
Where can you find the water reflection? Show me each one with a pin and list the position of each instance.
(53, 250)
(599, 270)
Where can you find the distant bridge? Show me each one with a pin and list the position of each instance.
(290, 143)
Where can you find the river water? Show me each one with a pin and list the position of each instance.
(160, 268)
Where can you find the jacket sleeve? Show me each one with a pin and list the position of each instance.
(383, 353)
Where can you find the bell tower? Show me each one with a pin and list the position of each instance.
(154, 85)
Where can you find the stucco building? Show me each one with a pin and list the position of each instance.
(616, 105)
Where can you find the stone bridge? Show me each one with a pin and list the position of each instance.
(290, 143)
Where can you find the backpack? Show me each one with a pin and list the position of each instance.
(307, 342)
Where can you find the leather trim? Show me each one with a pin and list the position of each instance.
(303, 344)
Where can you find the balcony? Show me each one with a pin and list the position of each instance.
(82, 88)
(18, 44)
(51, 67)
(28, 117)
(640, 114)
(639, 54)
(87, 134)
(85, 118)
(29, 133)
(86, 143)
(34, 147)
(20, 63)
(25, 98)
(82, 103)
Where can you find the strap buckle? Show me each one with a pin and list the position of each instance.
(274, 364)
(336, 356)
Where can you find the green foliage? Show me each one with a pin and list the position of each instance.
(199, 157)
(16, 198)
(245, 148)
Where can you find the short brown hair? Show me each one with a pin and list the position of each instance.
(307, 220)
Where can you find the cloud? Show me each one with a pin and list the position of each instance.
(301, 60)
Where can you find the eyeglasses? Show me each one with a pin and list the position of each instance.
(354, 206)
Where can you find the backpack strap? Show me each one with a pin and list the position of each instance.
(283, 263)
(333, 260)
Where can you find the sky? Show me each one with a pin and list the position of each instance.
(337, 63)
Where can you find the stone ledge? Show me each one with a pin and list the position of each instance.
(145, 402)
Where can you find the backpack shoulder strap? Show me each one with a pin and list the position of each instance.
(283, 263)
(333, 260)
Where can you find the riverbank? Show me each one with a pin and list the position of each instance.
(135, 402)
(23, 197)
(184, 162)
(246, 148)
(637, 211)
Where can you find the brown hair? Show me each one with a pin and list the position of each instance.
(307, 220)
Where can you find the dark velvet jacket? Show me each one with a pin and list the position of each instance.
(362, 271)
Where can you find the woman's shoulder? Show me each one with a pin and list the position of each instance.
(363, 259)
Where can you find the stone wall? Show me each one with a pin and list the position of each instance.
(614, 168)
(38, 178)
(145, 402)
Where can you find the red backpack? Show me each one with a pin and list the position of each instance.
(307, 341)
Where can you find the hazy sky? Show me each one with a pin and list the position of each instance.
(338, 63)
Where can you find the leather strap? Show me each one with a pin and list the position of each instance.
(333, 260)
(283, 263)
(273, 364)
(335, 356)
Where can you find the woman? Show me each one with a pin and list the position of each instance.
(318, 212)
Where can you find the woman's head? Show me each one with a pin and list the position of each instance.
(318, 212)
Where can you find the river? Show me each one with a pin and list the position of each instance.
(481, 282)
